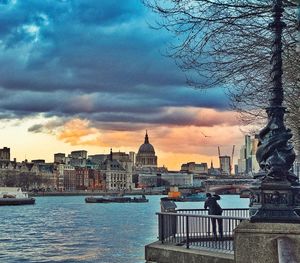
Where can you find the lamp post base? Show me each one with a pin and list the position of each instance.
(275, 201)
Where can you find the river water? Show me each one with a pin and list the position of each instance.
(66, 229)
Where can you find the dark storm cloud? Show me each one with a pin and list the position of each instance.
(90, 46)
(49, 127)
(59, 103)
(36, 128)
(96, 60)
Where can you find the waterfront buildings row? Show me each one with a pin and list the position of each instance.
(78, 171)
(119, 170)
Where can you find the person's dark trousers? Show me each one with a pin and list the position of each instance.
(220, 226)
(214, 230)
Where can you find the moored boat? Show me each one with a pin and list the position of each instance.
(175, 195)
(187, 198)
(14, 196)
(114, 199)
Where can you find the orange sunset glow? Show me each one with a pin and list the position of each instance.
(174, 144)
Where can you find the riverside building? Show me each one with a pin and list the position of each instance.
(195, 168)
(116, 176)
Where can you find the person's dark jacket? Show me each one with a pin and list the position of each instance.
(213, 207)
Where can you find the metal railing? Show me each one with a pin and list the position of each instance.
(231, 212)
(195, 228)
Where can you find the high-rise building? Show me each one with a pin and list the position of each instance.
(248, 146)
(247, 163)
(242, 161)
(225, 164)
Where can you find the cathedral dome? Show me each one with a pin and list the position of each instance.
(146, 157)
(146, 147)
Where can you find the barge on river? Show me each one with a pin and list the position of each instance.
(175, 195)
(186, 198)
(116, 199)
(14, 196)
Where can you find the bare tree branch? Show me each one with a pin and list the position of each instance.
(227, 43)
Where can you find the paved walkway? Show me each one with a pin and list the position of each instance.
(225, 246)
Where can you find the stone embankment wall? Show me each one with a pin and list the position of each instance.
(158, 253)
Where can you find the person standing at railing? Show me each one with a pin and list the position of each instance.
(214, 208)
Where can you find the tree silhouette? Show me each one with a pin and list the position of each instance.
(227, 43)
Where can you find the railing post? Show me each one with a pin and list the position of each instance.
(187, 233)
(161, 227)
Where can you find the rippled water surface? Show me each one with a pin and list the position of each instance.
(66, 229)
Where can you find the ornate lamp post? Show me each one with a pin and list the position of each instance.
(276, 197)
(298, 25)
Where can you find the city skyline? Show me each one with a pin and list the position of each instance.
(91, 75)
(215, 160)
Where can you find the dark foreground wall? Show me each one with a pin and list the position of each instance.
(158, 253)
(258, 242)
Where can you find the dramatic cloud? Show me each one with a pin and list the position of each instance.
(92, 74)
(198, 130)
(79, 57)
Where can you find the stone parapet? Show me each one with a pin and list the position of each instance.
(162, 253)
(257, 242)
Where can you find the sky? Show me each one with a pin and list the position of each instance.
(92, 75)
